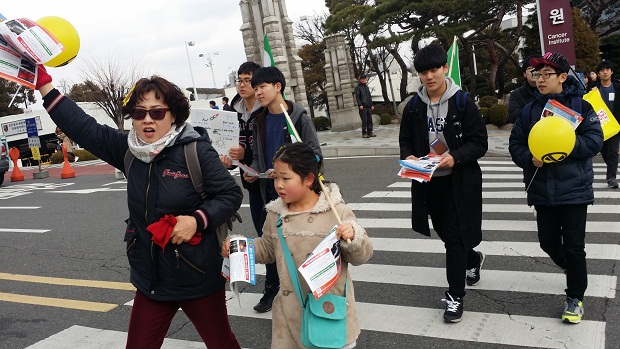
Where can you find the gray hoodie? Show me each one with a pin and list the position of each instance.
(436, 114)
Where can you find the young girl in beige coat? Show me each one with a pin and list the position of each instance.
(306, 221)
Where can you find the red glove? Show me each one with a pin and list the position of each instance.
(42, 77)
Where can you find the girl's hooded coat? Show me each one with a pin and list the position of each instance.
(303, 231)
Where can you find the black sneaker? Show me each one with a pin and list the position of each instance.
(454, 308)
(612, 183)
(266, 301)
(473, 274)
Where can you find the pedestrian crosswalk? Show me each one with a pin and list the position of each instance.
(517, 303)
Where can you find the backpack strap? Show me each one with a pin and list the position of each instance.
(461, 101)
(193, 166)
(128, 161)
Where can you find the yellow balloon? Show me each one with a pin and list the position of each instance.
(551, 139)
(67, 35)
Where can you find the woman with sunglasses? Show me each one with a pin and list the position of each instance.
(185, 271)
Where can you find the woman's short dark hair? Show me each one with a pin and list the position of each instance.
(302, 160)
(170, 93)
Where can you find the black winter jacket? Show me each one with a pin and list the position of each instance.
(362, 95)
(519, 98)
(568, 182)
(181, 272)
(466, 173)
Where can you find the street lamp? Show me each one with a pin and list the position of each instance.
(187, 44)
(210, 64)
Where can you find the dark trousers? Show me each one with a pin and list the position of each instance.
(366, 116)
(256, 208)
(562, 234)
(442, 210)
(151, 319)
(610, 155)
(271, 271)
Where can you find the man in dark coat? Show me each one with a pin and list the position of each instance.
(364, 101)
(524, 94)
(453, 197)
(609, 89)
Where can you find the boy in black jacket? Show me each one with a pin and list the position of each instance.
(453, 197)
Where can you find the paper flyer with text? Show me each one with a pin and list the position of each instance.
(322, 268)
(240, 264)
(223, 127)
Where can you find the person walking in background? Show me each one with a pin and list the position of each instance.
(453, 196)
(364, 101)
(270, 132)
(184, 269)
(213, 105)
(608, 90)
(592, 79)
(225, 105)
(524, 94)
(247, 107)
(67, 142)
(304, 218)
(560, 191)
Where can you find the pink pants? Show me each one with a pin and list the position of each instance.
(151, 319)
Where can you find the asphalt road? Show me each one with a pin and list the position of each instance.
(54, 232)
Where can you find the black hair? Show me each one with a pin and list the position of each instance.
(430, 57)
(604, 65)
(269, 75)
(212, 102)
(526, 62)
(225, 99)
(248, 68)
(302, 160)
(170, 93)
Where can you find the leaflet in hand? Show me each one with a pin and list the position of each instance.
(554, 107)
(23, 45)
(240, 264)
(421, 169)
(250, 171)
(322, 268)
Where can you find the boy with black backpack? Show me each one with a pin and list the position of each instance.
(560, 191)
(444, 120)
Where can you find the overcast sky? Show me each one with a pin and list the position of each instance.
(155, 32)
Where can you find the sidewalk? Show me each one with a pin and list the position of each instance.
(351, 143)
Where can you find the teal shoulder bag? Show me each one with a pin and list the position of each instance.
(324, 321)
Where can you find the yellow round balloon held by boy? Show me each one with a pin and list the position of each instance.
(551, 139)
(68, 36)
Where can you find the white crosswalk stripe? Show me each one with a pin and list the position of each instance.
(388, 211)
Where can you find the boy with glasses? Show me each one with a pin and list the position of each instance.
(560, 191)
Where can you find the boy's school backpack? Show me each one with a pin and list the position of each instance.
(195, 174)
(461, 103)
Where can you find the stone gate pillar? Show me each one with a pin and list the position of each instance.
(340, 85)
(270, 16)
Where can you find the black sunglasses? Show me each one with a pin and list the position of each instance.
(155, 113)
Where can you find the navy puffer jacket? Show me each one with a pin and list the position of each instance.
(568, 182)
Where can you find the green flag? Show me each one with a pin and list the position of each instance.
(454, 70)
(267, 55)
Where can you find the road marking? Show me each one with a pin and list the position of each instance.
(496, 280)
(85, 191)
(487, 224)
(20, 208)
(516, 208)
(485, 194)
(36, 231)
(491, 248)
(126, 286)
(57, 302)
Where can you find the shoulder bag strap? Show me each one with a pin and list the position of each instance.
(290, 265)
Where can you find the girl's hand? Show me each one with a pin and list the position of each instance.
(226, 248)
(345, 232)
(184, 230)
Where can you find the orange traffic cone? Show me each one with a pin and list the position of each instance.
(67, 171)
(16, 174)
